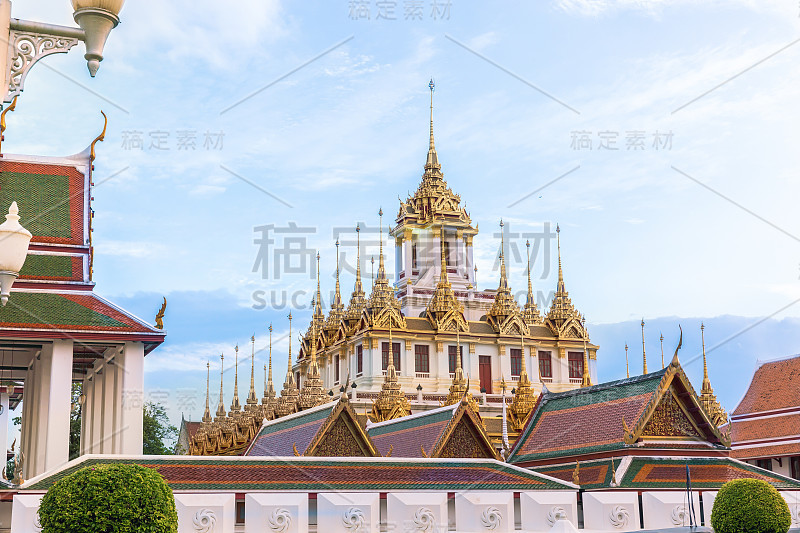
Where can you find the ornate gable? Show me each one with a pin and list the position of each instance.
(341, 436)
(670, 420)
(464, 437)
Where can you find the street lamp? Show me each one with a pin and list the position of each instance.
(29, 41)
(14, 241)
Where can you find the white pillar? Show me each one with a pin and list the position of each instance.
(118, 376)
(86, 415)
(109, 403)
(97, 407)
(4, 422)
(132, 398)
(27, 403)
(53, 390)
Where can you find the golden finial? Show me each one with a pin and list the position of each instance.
(100, 138)
(290, 342)
(576, 478)
(381, 268)
(358, 257)
(476, 276)
(627, 368)
(221, 407)
(661, 338)
(294, 449)
(251, 397)
(586, 380)
(160, 314)
(13, 106)
(338, 294)
(207, 412)
(372, 272)
(560, 272)
(644, 354)
(530, 286)
(270, 359)
(432, 87)
(705, 365)
(318, 307)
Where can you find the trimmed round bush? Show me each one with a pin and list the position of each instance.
(114, 498)
(750, 506)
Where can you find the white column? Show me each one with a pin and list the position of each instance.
(4, 422)
(131, 363)
(27, 402)
(86, 415)
(118, 377)
(54, 404)
(408, 244)
(109, 371)
(97, 407)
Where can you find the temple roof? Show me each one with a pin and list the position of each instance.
(643, 473)
(301, 433)
(381, 474)
(775, 385)
(427, 434)
(615, 416)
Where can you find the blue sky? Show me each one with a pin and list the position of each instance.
(704, 228)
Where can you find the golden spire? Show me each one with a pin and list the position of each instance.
(391, 402)
(287, 404)
(707, 397)
(530, 313)
(444, 301)
(504, 305)
(433, 170)
(586, 380)
(644, 354)
(337, 308)
(207, 413)
(382, 296)
(524, 395)
(312, 393)
(235, 405)
(252, 399)
(661, 338)
(562, 313)
(357, 300)
(221, 407)
(459, 388)
(627, 368)
(269, 388)
(432, 87)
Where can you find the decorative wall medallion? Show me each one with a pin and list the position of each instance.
(204, 521)
(280, 520)
(354, 520)
(491, 518)
(619, 517)
(678, 515)
(556, 513)
(424, 521)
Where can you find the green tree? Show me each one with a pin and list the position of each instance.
(75, 421)
(157, 430)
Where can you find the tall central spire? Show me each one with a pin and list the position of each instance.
(432, 87)
(433, 170)
(561, 287)
(644, 354)
(530, 313)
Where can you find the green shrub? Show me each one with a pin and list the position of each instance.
(750, 506)
(114, 498)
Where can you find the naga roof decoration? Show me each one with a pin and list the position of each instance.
(505, 316)
(707, 397)
(391, 402)
(449, 431)
(358, 301)
(287, 403)
(311, 474)
(328, 430)
(383, 307)
(524, 396)
(433, 199)
(660, 407)
(444, 311)
(530, 312)
(563, 319)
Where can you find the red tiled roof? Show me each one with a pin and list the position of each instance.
(192, 427)
(765, 428)
(777, 450)
(304, 474)
(644, 473)
(775, 385)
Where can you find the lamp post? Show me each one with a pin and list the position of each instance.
(14, 241)
(29, 41)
